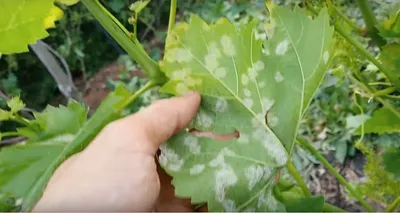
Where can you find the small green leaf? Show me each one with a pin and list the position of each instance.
(391, 27)
(21, 165)
(241, 83)
(353, 122)
(5, 115)
(22, 23)
(390, 57)
(382, 121)
(15, 104)
(391, 162)
(305, 204)
(139, 5)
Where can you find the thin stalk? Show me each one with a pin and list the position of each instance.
(296, 175)
(384, 92)
(81, 141)
(347, 19)
(122, 36)
(135, 25)
(393, 205)
(335, 173)
(21, 120)
(370, 22)
(172, 14)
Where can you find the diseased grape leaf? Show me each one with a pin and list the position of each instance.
(391, 161)
(241, 83)
(382, 121)
(22, 23)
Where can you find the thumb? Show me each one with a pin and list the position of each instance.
(158, 122)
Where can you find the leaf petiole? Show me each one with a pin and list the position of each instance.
(172, 14)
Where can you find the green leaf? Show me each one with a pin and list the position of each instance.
(54, 121)
(240, 86)
(305, 204)
(22, 23)
(67, 2)
(22, 165)
(390, 57)
(5, 115)
(139, 5)
(391, 26)
(354, 122)
(15, 104)
(382, 121)
(391, 161)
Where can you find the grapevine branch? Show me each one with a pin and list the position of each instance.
(172, 14)
(335, 173)
(370, 22)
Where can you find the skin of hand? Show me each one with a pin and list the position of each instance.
(118, 171)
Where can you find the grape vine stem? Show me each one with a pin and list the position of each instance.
(335, 173)
(393, 205)
(172, 14)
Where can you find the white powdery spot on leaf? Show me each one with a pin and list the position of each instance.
(192, 143)
(274, 149)
(267, 103)
(259, 66)
(229, 205)
(266, 51)
(273, 121)
(204, 120)
(181, 88)
(247, 92)
(227, 46)
(326, 56)
(197, 169)
(243, 138)
(252, 73)
(253, 174)
(169, 159)
(221, 105)
(180, 74)
(179, 55)
(211, 59)
(224, 177)
(282, 47)
(278, 77)
(220, 72)
(248, 102)
(261, 84)
(262, 200)
(244, 79)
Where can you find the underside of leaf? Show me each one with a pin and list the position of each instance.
(259, 90)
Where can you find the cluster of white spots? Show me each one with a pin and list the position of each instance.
(273, 121)
(211, 59)
(272, 202)
(244, 79)
(278, 77)
(204, 120)
(187, 81)
(267, 173)
(221, 105)
(224, 177)
(178, 55)
(253, 174)
(274, 149)
(259, 133)
(65, 138)
(260, 36)
(255, 121)
(261, 84)
(248, 102)
(262, 200)
(267, 103)
(266, 51)
(181, 88)
(180, 74)
(192, 143)
(227, 46)
(169, 159)
(255, 69)
(243, 139)
(197, 169)
(229, 205)
(282, 47)
(326, 56)
(220, 72)
(247, 92)
(220, 159)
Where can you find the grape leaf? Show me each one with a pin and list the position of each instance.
(22, 23)
(22, 165)
(305, 204)
(390, 57)
(391, 26)
(139, 5)
(391, 161)
(241, 83)
(55, 121)
(15, 104)
(382, 121)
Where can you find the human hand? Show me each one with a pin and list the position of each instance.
(117, 171)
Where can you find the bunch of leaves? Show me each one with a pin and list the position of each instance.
(381, 185)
